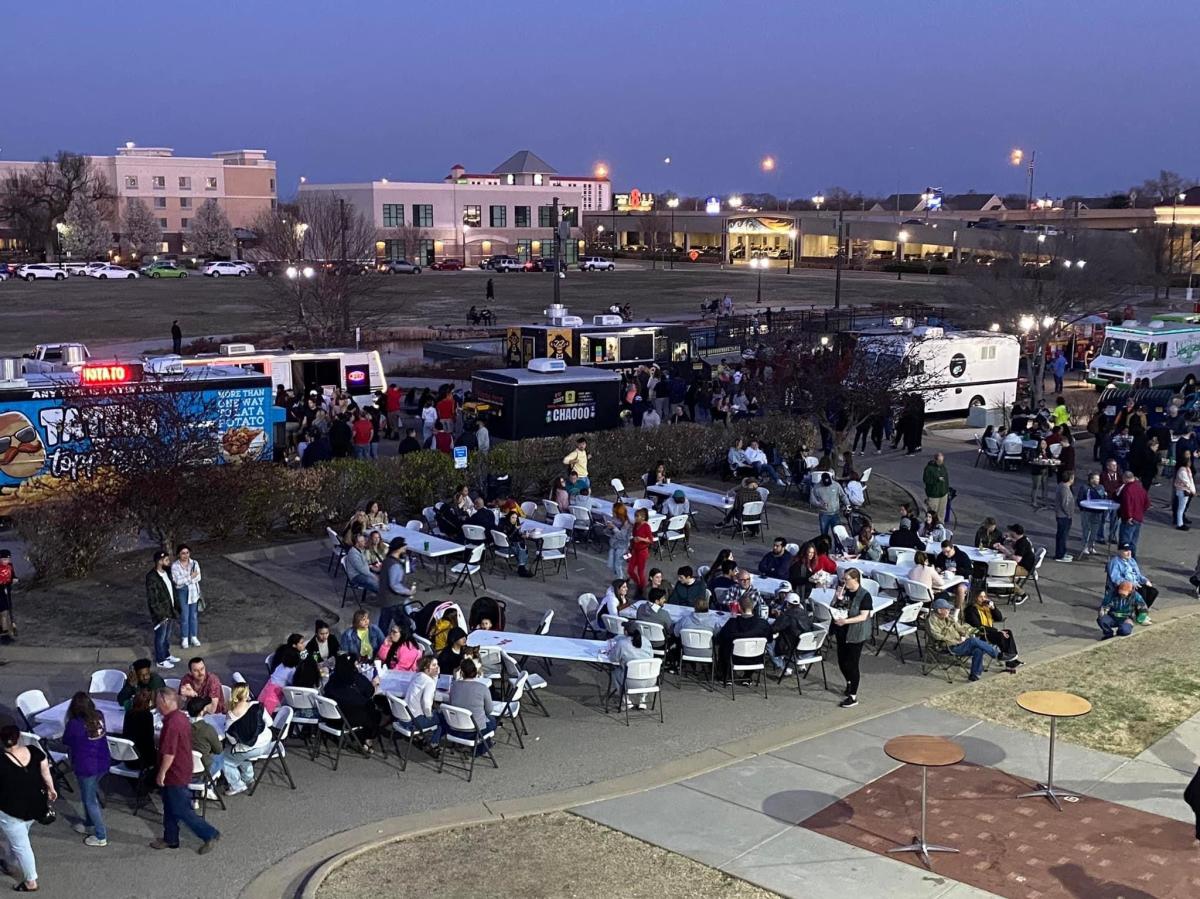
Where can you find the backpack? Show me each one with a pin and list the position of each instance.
(246, 731)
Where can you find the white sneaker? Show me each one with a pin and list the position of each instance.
(95, 841)
(82, 828)
(641, 704)
(174, 658)
(195, 641)
(166, 664)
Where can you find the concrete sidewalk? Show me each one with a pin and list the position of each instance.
(743, 818)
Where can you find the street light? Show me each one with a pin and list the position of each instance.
(901, 240)
(792, 234)
(601, 170)
(818, 201)
(758, 263)
(768, 164)
(1016, 157)
(672, 204)
(666, 160)
(735, 202)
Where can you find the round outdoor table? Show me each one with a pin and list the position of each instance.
(928, 752)
(1106, 507)
(1053, 705)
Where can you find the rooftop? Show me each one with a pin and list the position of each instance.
(524, 162)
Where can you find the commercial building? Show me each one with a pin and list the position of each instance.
(173, 187)
(469, 215)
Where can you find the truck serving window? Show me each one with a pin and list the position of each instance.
(1113, 346)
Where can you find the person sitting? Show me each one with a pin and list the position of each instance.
(905, 537)
(472, 692)
(762, 467)
(362, 639)
(952, 560)
(652, 610)
(355, 695)
(932, 530)
(715, 568)
(1124, 567)
(743, 589)
(725, 577)
(199, 681)
(439, 629)
(789, 624)
(205, 740)
(743, 625)
(924, 573)
(624, 648)
(866, 546)
(615, 600)
(399, 651)
(141, 676)
(419, 698)
(1011, 444)
(981, 613)
(988, 534)
(776, 562)
(448, 521)
(323, 645)
(139, 728)
(747, 492)
(677, 504)
(1120, 607)
(701, 617)
(247, 732)
(958, 639)
(810, 569)
(739, 465)
(452, 654)
(376, 550)
(358, 568)
(688, 588)
(283, 669)
(482, 516)
(510, 526)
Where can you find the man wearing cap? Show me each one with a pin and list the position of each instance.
(160, 597)
(392, 589)
(960, 639)
(1119, 609)
(792, 621)
(1124, 567)
(677, 504)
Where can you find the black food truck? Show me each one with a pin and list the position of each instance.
(547, 399)
(607, 342)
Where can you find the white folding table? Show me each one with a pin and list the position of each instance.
(566, 649)
(430, 546)
(696, 495)
(869, 569)
(398, 682)
(114, 715)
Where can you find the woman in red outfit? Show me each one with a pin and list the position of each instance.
(639, 549)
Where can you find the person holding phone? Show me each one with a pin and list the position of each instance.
(851, 631)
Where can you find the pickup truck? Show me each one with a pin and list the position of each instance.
(51, 357)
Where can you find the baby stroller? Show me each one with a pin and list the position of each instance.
(491, 609)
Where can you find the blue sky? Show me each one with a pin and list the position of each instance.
(869, 95)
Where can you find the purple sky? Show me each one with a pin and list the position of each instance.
(869, 95)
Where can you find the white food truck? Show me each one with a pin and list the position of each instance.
(358, 372)
(1150, 354)
(955, 370)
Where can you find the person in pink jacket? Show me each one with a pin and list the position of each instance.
(399, 651)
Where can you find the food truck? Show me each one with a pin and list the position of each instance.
(607, 342)
(1149, 354)
(358, 372)
(548, 399)
(62, 427)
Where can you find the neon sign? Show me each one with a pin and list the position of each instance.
(106, 375)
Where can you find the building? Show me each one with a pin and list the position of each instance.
(469, 215)
(173, 187)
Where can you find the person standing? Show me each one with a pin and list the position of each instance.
(483, 437)
(87, 742)
(577, 461)
(851, 631)
(1184, 485)
(1064, 512)
(174, 775)
(8, 627)
(1093, 521)
(639, 550)
(185, 573)
(176, 338)
(25, 787)
(490, 292)
(1059, 367)
(937, 485)
(1132, 503)
(160, 597)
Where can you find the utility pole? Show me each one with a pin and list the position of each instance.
(837, 263)
(557, 249)
(342, 224)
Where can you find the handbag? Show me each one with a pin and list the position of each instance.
(49, 816)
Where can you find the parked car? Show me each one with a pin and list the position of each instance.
(507, 264)
(400, 267)
(546, 264)
(596, 264)
(112, 271)
(224, 268)
(485, 263)
(346, 267)
(74, 268)
(3, 272)
(269, 269)
(40, 270)
(161, 269)
(448, 265)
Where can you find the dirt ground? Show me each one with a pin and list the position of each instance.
(1140, 688)
(105, 312)
(109, 609)
(560, 856)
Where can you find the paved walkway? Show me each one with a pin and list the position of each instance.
(743, 818)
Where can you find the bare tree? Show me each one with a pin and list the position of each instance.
(326, 291)
(1165, 187)
(210, 233)
(654, 228)
(85, 235)
(140, 229)
(34, 200)
(409, 237)
(1039, 288)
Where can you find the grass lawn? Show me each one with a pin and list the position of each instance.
(1140, 688)
(100, 312)
(561, 855)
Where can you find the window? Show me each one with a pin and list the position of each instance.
(393, 215)
(131, 182)
(210, 183)
(424, 251)
(537, 179)
(524, 248)
(183, 223)
(472, 216)
(272, 184)
(393, 249)
(570, 214)
(164, 247)
(987, 353)
(162, 223)
(521, 216)
(185, 202)
(185, 182)
(159, 182)
(510, 179)
(545, 216)
(499, 217)
(422, 216)
(160, 202)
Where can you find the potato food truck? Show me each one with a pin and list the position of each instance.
(1150, 354)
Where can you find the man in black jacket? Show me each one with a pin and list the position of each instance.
(160, 597)
(410, 443)
(953, 560)
(905, 536)
(745, 625)
(792, 621)
(482, 517)
(341, 437)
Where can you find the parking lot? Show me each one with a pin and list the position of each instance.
(113, 311)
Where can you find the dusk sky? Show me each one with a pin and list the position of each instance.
(868, 95)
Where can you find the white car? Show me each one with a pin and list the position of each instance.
(226, 268)
(105, 272)
(91, 267)
(39, 270)
(596, 264)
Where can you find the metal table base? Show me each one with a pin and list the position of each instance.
(918, 844)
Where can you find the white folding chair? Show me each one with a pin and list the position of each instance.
(614, 624)
(351, 589)
(675, 531)
(106, 680)
(647, 504)
(642, 670)
(337, 549)
(474, 535)
(333, 724)
(745, 648)
(459, 723)
(59, 762)
(808, 652)
(467, 569)
(281, 725)
(589, 605)
(30, 704)
(122, 753)
(404, 725)
(529, 508)
(305, 718)
(866, 476)
(551, 550)
(502, 550)
(533, 683)
(581, 527)
(1038, 558)
(619, 489)
(203, 784)
(842, 535)
(1001, 578)
(510, 708)
(886, 581)
(652, 632)
(902, 556)
(915, 591)
(551, 508)
(907, 622)
(566, 521)
(697, 649)
(415, 524)
(751, 518)
(174, 682)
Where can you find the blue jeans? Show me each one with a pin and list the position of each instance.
(361, 450)
(1110, 626)
(189, 620)
(162, 641)
(827, 520)
(369, 581)
(177, 809)
(975, 648)
(583, 483)
(469, 735)
(16, 835)
(521, 553)
(420, 722)
(88, 793)
(1093, 529)
(616, 561)
(1061, 533)
(1181, 504)
(1129, 533)
(239, 773)
(765, 468)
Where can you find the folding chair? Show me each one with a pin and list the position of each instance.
(30, 704)
(751, 517)
(807, 653)
(510, 708)
(747, 647)
(619, 490)
(652, 633)
(1039, 558)
(347, 587)
(915, 591)
(304, 714)
(675, 532)
(696, 648)
(468, 568)
(533, 683)
(106, 680)
(1001, 578)
(938, 657)
(281, 725)
(614, 624)
(474, 535)
(459, 721)
(866, 476)
(529, 508)
(58, 762)
(641, 670)
(333, 724)
(551, 509)
(842, 536)
(589, 605)
(337, 549)
(566, 521)
(551, 550)
(502, 550)
(902, 556)
(907, 622)
(122, 753)
(204, 785)
(581, 528)
(404, 725)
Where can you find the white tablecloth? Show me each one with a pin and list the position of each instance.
(869, 569)
(567, 649)
(695, 495)
(428, 545)
(114, 715)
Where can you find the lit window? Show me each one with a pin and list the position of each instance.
(472, 216)
(210, 183)
(131, 182)
(537, 179)
(510, 179)
(159, 182)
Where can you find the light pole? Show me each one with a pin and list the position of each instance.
(901, 239)
(466, 233)
(1016, 157)
(1171, 242)
(672, 204)
(792, 232)
(758, 263)
(818, 201)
